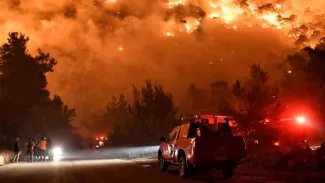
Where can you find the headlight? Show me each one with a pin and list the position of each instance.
(57, 152)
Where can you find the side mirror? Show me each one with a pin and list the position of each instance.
(163, 139)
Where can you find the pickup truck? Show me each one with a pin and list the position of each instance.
(195, 146)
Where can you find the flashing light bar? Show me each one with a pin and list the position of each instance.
(300, 119)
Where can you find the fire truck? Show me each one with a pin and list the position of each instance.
(100, 142)
(282, 142)
(289, 131)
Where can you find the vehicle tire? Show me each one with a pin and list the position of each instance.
(183, 169)
(227, 172)
(162, 164)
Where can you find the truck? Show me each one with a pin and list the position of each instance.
(100, 142)
(195, 145)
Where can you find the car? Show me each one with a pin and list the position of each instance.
(194, 146)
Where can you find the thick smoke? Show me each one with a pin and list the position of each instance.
(104, 46)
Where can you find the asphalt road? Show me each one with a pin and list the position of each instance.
(88, 171)
(129, 171)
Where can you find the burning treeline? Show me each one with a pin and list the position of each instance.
(104, 46)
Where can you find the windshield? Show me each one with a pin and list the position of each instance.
(224, 128)
(211, 129)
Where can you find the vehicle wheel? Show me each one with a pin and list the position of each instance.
(162, 164)
(227, 172)
(183, 168)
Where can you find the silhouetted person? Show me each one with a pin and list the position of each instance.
(17, 150)
(49, 149)
(36, 149)
(42, 148)
(30, 150)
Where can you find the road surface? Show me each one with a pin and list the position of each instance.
(129, 171)
(88, 171)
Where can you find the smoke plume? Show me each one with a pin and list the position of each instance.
(104, 46)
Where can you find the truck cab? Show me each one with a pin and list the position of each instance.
(197, 145)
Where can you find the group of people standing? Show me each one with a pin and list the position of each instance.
(34, 150)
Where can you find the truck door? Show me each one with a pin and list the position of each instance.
(172, 136)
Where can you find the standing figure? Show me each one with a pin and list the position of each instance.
(30, 150)
(36, 150)
(42, 148)
(17, 150)
(49, 149)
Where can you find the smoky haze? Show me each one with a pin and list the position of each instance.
(104, 46)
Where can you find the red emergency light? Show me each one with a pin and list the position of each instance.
(300, 119)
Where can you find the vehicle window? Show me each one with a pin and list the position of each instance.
(172, 135)
(184, 131)
(205, 121)
(224, 128)
(215, 129)
(192, 130)
(207, 130)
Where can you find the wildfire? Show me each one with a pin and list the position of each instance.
(174, 3)
(169, 34)
(278, 6)
(274, 16)
(111, 1)
(212, 5)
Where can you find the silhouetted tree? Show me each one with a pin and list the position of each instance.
(195, 100)
(304, 82)
(25, 104)
(151, 115)
(115, 112)
(255, 98)
(153, 111)
(222, 98)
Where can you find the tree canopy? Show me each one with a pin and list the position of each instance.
(150, 115)
(27, 110)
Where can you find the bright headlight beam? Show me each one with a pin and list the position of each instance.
(57, 152)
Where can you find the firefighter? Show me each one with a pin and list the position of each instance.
(36, 150)
(49, 149)
(42, 148)
(17, 150)
(30, 150)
